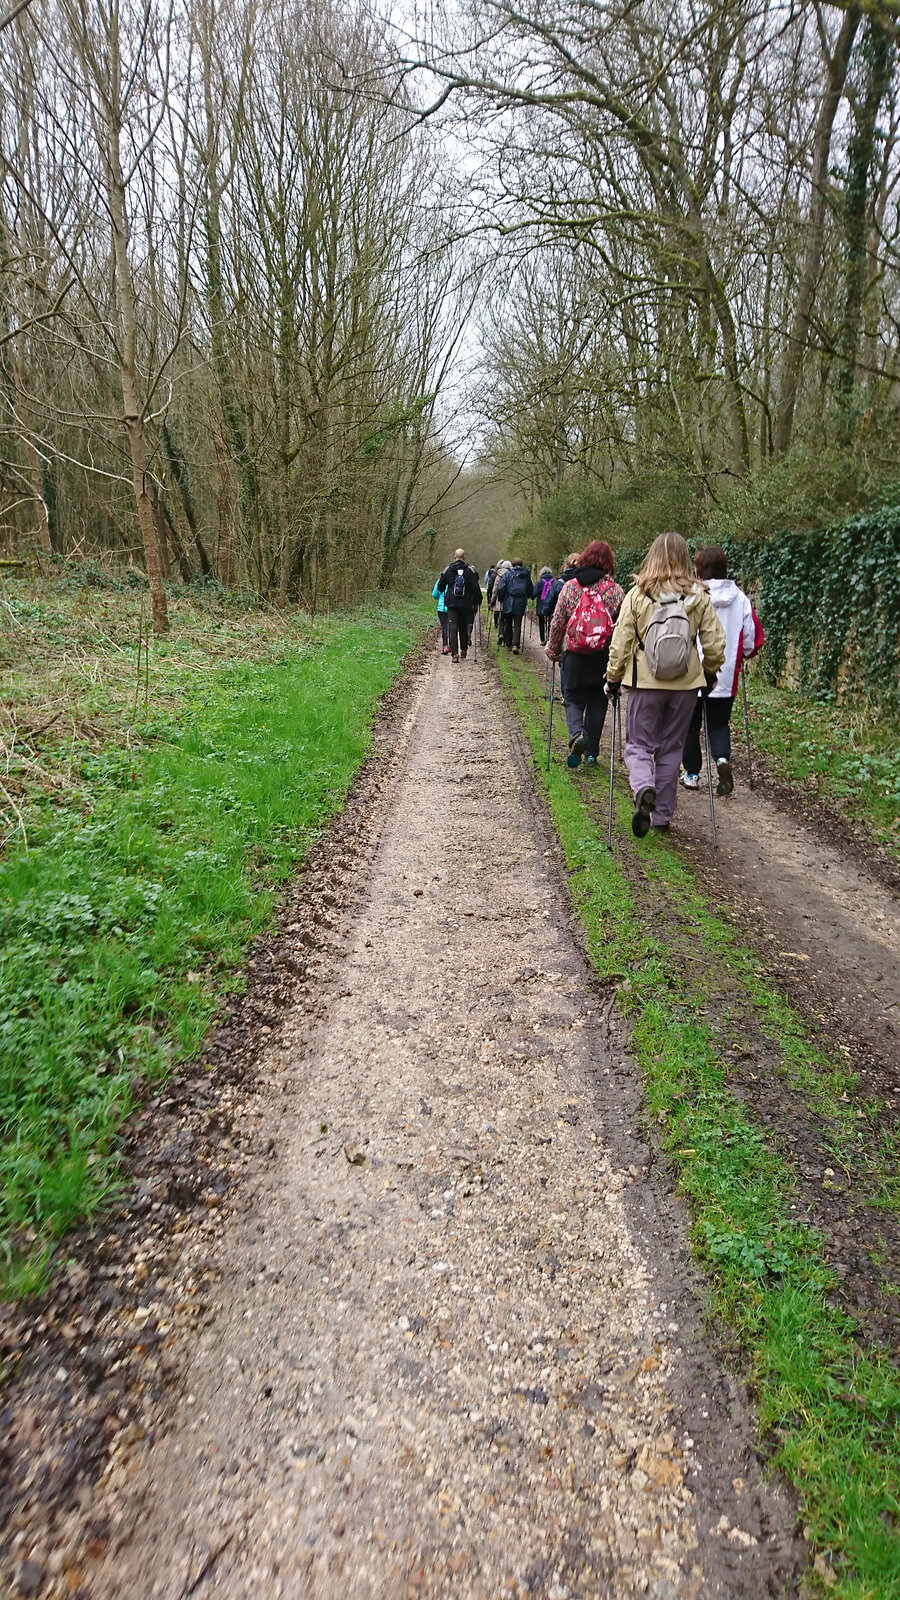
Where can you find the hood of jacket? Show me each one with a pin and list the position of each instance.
(722, 592)
(588, 575)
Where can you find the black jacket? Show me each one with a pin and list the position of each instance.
(471, 599)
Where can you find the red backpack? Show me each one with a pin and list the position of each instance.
(590, 626)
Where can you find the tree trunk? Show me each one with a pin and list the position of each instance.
(877, 51)
(818, 206)
(132, 408)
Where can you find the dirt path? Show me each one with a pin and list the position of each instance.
(828, 926)
(827, 922)
(825, 919)
(451, 1353)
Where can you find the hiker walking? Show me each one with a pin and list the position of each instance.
(494, 605)
(579, 637)
(459, 584)
(514, 590)
(654, 648)
(544, 601)
(743, 638)
(443, 616)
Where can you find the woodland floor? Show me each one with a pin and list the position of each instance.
(401, 1300)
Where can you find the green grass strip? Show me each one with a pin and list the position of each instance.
(124, 923)
(832, 1409)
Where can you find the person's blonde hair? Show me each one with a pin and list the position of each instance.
(667, 566)
(571, 559)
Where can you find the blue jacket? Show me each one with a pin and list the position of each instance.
(545, 606)
(514, 591)
(439, 595)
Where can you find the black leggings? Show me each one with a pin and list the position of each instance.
(718, 716)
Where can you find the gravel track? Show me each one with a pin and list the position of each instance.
(450, 1352)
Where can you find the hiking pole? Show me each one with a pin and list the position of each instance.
(546, 673)
(614, 708)
(712, 807)
(550, 730)
(747, 726)
(475, 637)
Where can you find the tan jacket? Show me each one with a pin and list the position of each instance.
(637, 609)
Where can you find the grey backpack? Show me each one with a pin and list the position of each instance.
(669, 638)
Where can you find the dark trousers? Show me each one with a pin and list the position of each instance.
(459, 630)
(543, 627)
(511, 631)
(586, 713)
(444, 620)
(718, 717)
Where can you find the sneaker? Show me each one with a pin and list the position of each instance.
(463, 654)
(660, 827)
(726, 776)
(690, 780)
(446, 650)
(515, 649)
(644, 801)
(577, 747)
(454, 659)
(590, 761)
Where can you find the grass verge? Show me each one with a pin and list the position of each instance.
(830, 1407)
(125, 913)
(847, 755)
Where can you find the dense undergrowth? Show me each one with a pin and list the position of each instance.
(828, 1402)
(147, 838)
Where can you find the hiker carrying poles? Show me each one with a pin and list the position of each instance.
(614, 713)
(747, 727)
(550, 729)
(709, 781)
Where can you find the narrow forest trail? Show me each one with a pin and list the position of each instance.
(451, 1351)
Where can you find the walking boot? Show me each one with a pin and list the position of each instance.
(644, 801)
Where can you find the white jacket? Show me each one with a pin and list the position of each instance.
(735, 613)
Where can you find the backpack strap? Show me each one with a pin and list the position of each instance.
(639, 645)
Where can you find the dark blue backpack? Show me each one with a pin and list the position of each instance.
(459, 584)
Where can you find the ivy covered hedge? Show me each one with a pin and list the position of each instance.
(829, 600)
(830, 603)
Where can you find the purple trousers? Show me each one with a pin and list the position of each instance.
(656, 723)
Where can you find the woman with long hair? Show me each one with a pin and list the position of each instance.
(654, 650)
(580, 630)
